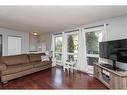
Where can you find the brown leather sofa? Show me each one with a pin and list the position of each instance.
(12, 67)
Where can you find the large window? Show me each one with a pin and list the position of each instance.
(72, 46)
(66, 47)
(92, 46)
(58, 48)
(92, 38)
(14, 45)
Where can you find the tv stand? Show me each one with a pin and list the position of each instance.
(111, 67)
(114, 65)
(109, 77)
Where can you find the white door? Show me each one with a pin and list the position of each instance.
(57, 51)
(92, 39)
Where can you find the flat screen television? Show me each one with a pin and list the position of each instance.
(115, 50)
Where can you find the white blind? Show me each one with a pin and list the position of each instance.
(14, 45)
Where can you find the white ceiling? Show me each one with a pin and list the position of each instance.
(54, 18)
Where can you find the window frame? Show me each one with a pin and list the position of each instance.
(56, 52)
(68, 53)
(102, 28)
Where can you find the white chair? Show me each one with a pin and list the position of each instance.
(69, 66)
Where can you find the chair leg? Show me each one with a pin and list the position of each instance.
(64, 69)
(72, 69)
(68, 70)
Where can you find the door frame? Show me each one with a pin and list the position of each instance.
(90, 69)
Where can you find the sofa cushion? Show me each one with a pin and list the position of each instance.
(16, 68)
(34, 57)
(15, 59)
(39, 64)
(2, 67)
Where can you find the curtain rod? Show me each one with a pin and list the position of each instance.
(56, 33)
(96, 26)
(66, 32)
(72, 31)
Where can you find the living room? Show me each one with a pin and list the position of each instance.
(63, 47)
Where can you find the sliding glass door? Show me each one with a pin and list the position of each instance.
(58, 48)
(65, 47)
(92, 39)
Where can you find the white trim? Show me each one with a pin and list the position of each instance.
(105, 33)
(71, 33)
(92, 55)
(58, 61)
(85, 52)
(71, 53)
(58, 52)
(64, 57)
(57, 35)
(94, 29)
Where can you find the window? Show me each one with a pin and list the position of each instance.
(72, 46)
(92, 38)
(14, 45)
(65, 47)
(58, 48)
(92, 46)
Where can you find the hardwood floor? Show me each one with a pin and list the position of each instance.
(54, 78)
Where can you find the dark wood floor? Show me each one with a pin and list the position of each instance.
(54, 78)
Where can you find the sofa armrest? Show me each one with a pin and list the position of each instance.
(3, 66)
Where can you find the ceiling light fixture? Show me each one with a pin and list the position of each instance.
(35, 33)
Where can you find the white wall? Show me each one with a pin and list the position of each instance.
(116, 29)
(33, 42)
(23, 35)
(46, 38)
(37, 42)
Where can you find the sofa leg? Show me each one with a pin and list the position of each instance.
(4, 82)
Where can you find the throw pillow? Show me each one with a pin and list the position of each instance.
(44, 58)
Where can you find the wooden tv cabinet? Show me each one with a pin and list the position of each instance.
(110, 78)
